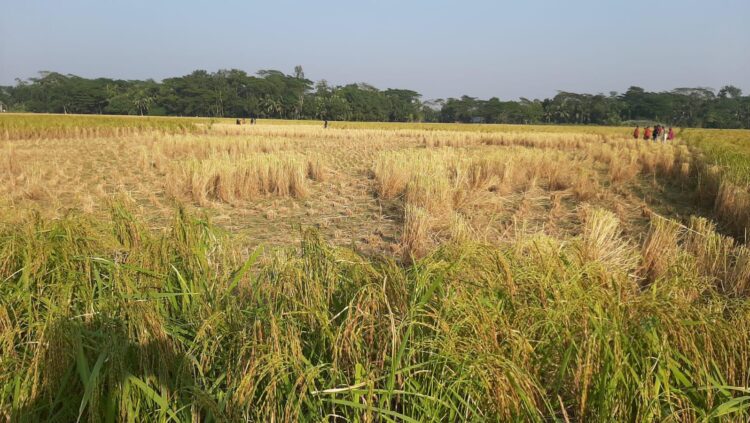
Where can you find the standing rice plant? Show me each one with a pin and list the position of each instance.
(177, 325)
(584, 185)
(390, 176)
(713, 252)
(624, 169)
(660, 248)
(709, 181)
(556, 172)
(460, 229)
(229, 181)
(431, 192)
(732, 204)
(316, 170)
(415, 237)
(739, 278)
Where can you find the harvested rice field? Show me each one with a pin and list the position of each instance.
(170, 269)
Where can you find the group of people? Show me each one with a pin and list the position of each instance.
(253, 122)
(243, 121)
(658, 133)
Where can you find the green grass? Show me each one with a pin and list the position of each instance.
(728, 148)
(114, 322)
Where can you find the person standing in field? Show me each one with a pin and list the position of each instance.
(670, 135)
(647, 133)
(325, 123)
(663, 135)
(637, 132)
(656, 132)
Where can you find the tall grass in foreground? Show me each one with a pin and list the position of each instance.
(117, 323)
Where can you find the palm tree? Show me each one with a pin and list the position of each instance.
(142, 102)
(272, 106)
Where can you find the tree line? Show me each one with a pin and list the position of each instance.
(274, 94)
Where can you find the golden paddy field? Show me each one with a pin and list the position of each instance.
(170, 269)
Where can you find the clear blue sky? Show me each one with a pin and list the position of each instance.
(440, 48)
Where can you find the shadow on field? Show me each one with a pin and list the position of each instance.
(680, 201)
(95, 371)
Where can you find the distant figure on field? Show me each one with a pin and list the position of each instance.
(239, 122)
(663, 135)
(637, 132)
(325, 123)
(657, 129)
(647, 133)
(670, 135)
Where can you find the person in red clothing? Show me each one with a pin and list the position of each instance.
(637, 132)
(670, 134)
(647, 134)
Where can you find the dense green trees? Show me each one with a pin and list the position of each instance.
(273, 94)
(695, 107)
